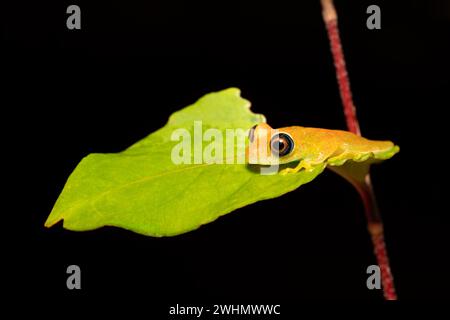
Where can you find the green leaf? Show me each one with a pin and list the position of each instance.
(141, 189)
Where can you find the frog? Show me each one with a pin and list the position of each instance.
(311, 146)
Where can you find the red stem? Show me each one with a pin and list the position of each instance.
(342, 77)
(374, 222)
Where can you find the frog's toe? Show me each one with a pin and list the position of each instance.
(287, 171)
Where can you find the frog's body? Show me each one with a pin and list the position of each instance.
(312, 146)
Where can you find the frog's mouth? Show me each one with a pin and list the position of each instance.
(256, 167)
(254, 157)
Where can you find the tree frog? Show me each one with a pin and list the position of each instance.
(312, 146)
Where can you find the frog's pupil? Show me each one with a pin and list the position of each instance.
(281, 145)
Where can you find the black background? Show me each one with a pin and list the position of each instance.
(100, 89)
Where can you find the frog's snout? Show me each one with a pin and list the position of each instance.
(257, 152)
(251, 133)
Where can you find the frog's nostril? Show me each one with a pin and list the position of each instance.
(251, 133)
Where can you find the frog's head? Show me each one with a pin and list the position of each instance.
(269, 146)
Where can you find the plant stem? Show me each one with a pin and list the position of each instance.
(365, 189)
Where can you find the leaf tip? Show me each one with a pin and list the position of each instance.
(51, 222)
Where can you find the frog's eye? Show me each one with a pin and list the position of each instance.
(251, 133)
(281, 144)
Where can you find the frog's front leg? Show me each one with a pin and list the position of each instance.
(303, 164)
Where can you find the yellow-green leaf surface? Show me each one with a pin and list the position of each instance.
(142, 190)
